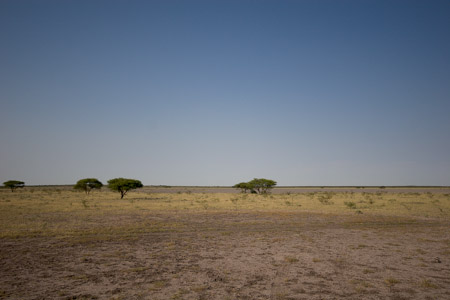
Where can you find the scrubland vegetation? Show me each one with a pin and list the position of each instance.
(60, 243)
(32, 210)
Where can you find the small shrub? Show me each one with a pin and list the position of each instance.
(325, 198)
(84, 202)
(391, 281)
(290, 259)
(157, 285)
(325, 201)
(428, 284)
(349, 204)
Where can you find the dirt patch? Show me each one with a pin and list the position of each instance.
(234, 255)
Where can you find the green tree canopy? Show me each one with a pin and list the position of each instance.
(123, 185)
(88, 184)
(257, 185)
(14, 184)
(243, 186)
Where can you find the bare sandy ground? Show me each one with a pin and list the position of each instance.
(235, 255)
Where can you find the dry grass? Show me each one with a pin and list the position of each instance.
(58, 211)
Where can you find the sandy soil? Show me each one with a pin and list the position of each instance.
(235, 255)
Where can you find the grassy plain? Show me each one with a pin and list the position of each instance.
(57, 243)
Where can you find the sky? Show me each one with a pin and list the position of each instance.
(305, 92)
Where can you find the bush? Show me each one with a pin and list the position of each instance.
(351, 205)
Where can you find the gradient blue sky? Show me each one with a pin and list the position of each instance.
(217, 92)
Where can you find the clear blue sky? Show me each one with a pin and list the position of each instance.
(217, 92)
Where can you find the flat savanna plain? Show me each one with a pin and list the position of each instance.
(206, 243)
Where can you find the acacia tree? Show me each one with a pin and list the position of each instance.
(257, 185)
(123, 185)
(262, 185)
(243, 186)
(14, 184)
(88, 184)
